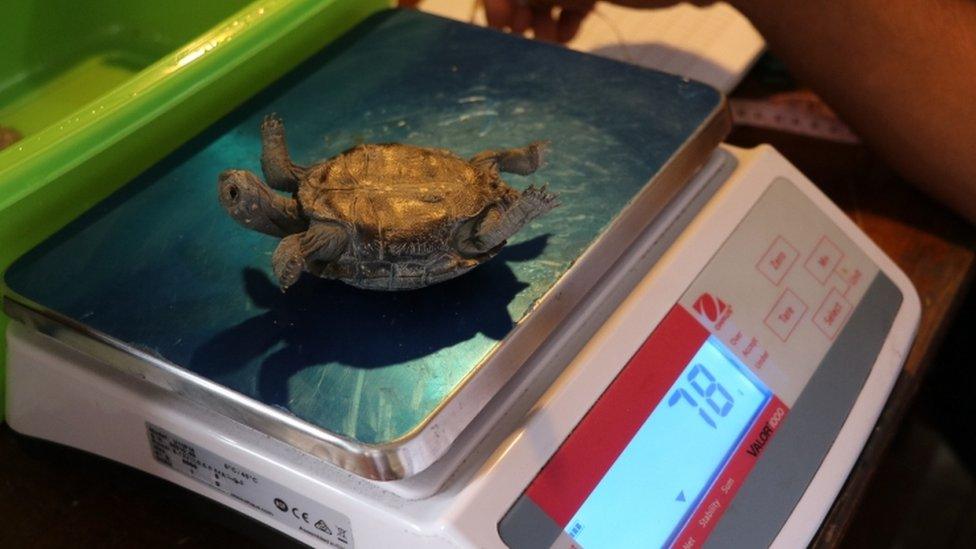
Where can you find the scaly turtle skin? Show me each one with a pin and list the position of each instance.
(384, 216)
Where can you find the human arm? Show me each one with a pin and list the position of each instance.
(901, 72)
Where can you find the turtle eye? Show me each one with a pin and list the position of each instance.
(233, 192)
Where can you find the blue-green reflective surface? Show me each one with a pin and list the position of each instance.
(161, 266)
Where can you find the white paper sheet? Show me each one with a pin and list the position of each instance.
(715, 45)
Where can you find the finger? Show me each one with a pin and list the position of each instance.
(659, 3)
(543, 24)
(577, 5)
(521, 19)
(498, 13)
(569, 23)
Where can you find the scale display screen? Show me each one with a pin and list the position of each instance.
(659, 455)
(662, 474)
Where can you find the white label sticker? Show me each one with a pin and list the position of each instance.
(268, 497)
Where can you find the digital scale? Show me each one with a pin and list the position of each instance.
(692, 350)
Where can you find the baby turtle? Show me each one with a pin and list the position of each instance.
(384, 216)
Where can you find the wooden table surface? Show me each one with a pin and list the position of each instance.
(52, 496)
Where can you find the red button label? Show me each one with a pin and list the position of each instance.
(832, 314)
(785, 314)
(824, 259)
(777, 260)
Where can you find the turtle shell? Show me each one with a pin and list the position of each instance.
(401, 200)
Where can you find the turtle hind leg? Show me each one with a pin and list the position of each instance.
(279, 171)
(498, 225)
(297, 253)
(521, 161)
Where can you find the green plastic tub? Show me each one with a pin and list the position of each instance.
(101, 89)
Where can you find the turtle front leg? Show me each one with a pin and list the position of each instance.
(288, 263)
(279, 171)
(321, 243)
(498, 224)
(521, 161)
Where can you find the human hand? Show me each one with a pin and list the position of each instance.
(556, 20)
(547, 22)
(518, 16)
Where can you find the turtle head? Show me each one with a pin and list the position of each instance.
(239, 191)
(254, 205)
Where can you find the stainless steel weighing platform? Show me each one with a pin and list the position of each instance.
(160, 284)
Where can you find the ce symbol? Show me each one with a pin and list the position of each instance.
(303, 516)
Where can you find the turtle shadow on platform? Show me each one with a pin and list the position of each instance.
(324, 321)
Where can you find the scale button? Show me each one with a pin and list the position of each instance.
(832, 314)
(785, 314)
(777, 260)
(824, 259)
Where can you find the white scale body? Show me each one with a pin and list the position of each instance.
(59, 394)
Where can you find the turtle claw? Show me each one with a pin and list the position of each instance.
(272, 125)
(539, 200)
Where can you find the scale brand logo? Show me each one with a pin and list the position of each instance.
(712, 309)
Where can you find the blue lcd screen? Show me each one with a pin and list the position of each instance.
(657, 481)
